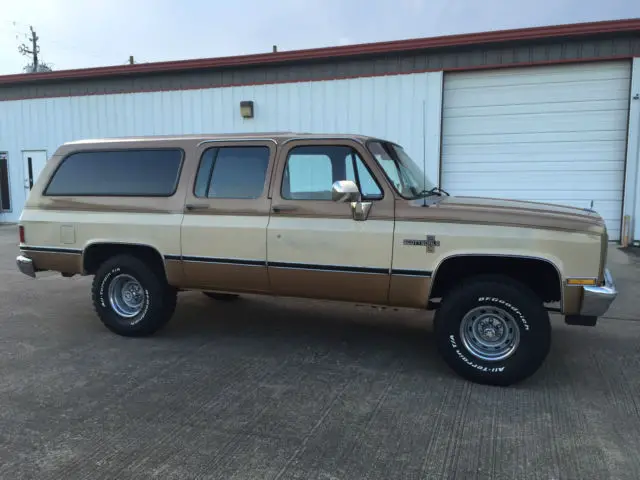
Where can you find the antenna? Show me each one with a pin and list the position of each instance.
(424, 150)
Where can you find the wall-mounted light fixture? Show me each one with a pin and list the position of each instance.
(246, 109)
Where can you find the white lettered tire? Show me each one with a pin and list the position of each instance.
(132, 298)
(493, 330)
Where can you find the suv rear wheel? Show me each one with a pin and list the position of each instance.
(132, 298)
(493, 330)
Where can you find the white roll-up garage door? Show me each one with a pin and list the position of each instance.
(551, 134)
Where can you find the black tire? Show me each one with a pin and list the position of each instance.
(522, 308)
(158, 297)
(223, 297)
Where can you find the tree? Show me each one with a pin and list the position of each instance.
(36, 66)
(42, 67)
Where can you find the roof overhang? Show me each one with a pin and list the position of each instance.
(485, 38)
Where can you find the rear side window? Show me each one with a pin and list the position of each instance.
(232, 172)
(145, 173)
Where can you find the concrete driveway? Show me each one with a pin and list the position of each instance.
(269, 388)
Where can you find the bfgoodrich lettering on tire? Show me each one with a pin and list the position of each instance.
(493, 330)
(132, 298)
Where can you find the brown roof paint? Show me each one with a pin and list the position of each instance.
(493, 37)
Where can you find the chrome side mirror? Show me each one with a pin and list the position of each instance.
(344, 191)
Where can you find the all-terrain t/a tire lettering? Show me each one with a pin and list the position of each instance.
(493, 330)
(131, 298)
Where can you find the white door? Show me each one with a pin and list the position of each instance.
(33, 163)
(550, 134)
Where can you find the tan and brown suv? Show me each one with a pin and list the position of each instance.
(337, 217)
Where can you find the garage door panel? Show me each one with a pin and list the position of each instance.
(605, 120)
(542, 142)
(540, 107)
(523, 165)
(533, 94)
(550, 75)
(521, 151)
(582, 180)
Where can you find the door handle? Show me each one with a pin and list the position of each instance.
(196, 206)
(283, 208)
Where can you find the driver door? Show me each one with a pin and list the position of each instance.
(315, 247)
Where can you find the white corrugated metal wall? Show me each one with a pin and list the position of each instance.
(403, 108)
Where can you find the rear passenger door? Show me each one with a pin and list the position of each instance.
(226, 215)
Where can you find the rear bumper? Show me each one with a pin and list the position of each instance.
(597, 300)
(26, 266)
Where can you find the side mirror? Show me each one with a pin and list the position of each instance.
(344, 191)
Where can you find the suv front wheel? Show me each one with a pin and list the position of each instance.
(493, 330)
(131, 298)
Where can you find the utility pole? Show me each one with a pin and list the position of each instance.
(35, 49)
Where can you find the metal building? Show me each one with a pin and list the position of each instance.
(547, 114)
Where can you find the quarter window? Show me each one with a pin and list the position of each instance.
(232, 172)
(150, 173)
(311, 171)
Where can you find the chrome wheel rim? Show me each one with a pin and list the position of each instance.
(126, 295)
(490, 333)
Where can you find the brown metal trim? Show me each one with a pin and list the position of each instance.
(370, 288)
(493, 37)
(335, 77)
(57, 261)
(541, 63)
(225, 277)
(174, 271)
(407, 291)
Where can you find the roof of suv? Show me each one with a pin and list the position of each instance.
(276, 136)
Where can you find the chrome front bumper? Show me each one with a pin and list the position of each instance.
(25, 265)
(596, 300)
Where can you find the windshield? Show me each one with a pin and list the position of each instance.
(406, 176)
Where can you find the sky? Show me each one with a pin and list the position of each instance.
(89, 33)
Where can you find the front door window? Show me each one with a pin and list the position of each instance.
(311, 171)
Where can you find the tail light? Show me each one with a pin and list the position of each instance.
(21, 233)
